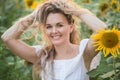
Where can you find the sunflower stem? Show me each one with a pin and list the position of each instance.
(114, 66)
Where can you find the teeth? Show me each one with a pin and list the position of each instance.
(56, 37)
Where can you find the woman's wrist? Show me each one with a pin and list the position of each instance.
(91, 20)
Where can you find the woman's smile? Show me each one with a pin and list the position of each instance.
(56, 37)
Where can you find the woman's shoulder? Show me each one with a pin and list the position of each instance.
(84, 42)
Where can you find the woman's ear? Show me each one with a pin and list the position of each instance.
(71, 27)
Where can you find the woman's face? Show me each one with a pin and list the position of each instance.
(58, 29)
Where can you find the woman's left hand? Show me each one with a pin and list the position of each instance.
(71, 7)
(68, 6)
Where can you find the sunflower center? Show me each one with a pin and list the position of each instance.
(109, 39)
(114, 6)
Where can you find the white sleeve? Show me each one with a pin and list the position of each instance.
(38, 48)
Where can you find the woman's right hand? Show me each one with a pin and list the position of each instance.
(70, 7)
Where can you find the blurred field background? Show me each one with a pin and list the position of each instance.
(14, 68)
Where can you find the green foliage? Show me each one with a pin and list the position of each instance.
(14, 68)
(105, 71)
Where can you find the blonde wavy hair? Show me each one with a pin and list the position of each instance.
(47, 53)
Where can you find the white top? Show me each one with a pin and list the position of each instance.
(70, 69)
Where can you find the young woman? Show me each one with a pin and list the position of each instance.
(64, 56)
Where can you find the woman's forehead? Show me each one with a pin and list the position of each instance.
(56, 18)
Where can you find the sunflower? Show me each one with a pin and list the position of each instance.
(87, 1)
(35, 4)
(28, 3)
(108, 41)
(103, 7)
(114, 4)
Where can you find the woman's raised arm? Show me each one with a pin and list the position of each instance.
(11, 39)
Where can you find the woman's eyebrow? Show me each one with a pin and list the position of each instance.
(60, 23)
(56, 23)
(48, 24)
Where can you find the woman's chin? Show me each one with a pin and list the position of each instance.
(57, 43)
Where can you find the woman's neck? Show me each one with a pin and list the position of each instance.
(66, 51)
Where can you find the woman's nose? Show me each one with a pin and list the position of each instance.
(54, 30)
